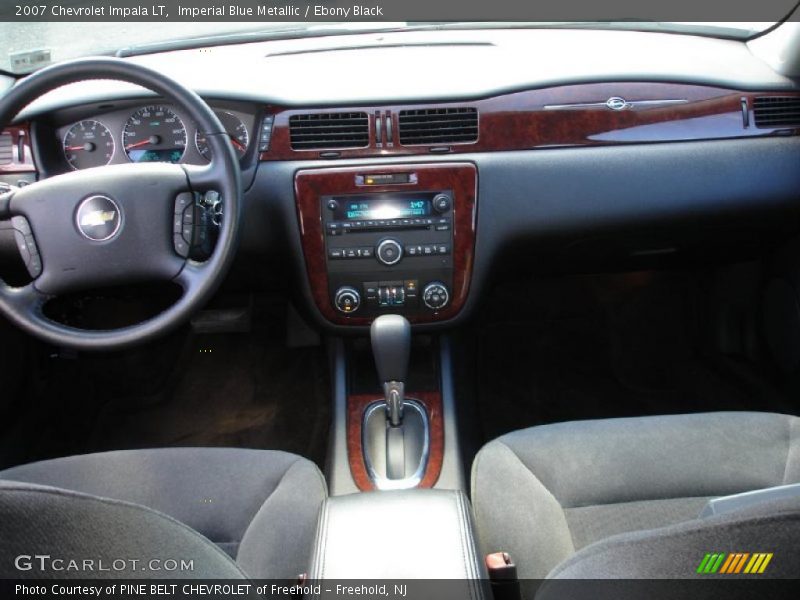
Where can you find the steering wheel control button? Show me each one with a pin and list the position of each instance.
(389, 252)
(183, 200)
(21, 224)
(347, 300)
(181, 245)
(435, 295)
(98, 218)
(187, 233)
(26, 244)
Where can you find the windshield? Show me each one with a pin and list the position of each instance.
(28, 46)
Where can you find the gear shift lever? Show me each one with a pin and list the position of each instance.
(391, 346)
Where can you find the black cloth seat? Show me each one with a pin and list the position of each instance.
(259, 507)
(571, 499)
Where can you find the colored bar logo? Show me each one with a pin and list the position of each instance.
(734, 563)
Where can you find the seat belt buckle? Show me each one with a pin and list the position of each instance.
(503, 576)
(302, 580)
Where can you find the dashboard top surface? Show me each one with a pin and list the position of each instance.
(420, 66)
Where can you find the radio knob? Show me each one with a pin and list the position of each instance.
(435, 295)
(441, 203)
(347, 300)
(389, 252)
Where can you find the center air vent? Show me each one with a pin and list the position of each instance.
(438, 126)
(6, 149)
(772, 112)
(329, 130)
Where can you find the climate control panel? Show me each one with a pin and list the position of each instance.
(383, 239)
(389, 252)
(391, 295)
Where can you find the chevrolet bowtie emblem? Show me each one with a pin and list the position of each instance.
(617, 103)
(97, 218)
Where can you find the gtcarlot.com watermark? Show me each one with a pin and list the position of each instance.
(45, 563)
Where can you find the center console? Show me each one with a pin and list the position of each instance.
(396, 239)
(402, 535)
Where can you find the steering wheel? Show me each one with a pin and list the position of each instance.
(117, 224)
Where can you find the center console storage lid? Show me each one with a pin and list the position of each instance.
(407, 534)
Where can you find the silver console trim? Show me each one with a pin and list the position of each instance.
(414, 480)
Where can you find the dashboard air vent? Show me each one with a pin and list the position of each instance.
(438, 126)
(772, 112)
(6, 149)
(329, 130)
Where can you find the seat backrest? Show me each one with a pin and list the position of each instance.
(52, 533)
(680, 551)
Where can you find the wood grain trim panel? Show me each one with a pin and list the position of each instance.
(519, 121)
(20, 139)
(311, 184)
(356, 404)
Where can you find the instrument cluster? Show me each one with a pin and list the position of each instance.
(152, 133)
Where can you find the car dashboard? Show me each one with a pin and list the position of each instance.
(400, 173)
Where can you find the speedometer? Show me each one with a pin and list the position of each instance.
(88, 144)
(154, 134)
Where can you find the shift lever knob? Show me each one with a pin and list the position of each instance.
(391, 346)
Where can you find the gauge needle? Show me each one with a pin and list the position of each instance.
(137, 144)
(239, 144)
(73, 148)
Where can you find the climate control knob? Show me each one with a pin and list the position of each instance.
(435, 295)
(347, 300)
(389, 252)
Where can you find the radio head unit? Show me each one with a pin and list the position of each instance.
(389, 251)
(375, 207)
(388, 239)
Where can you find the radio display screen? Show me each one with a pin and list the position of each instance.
(394, 207)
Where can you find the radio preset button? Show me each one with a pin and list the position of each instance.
(389, 252)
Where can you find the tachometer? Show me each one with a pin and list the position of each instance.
(235, 128)
(154, 134)
(88, 144)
